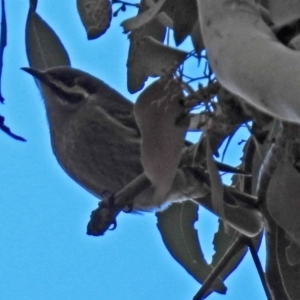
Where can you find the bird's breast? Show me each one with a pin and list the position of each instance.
(98, 154)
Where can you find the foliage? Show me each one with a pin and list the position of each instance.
(249, 79)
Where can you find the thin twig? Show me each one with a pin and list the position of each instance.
(259, 269)
(236, 246)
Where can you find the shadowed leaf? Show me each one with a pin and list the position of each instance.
(293, 253)
(290, 275)
(184, 16)
(43, 47)
(95, 16)
(152, 59)
(217, 190)
(241, 35)
(136, 75)
(176, 225)
(197, 37)
(223, 239)
(156, 111)
(283, 199)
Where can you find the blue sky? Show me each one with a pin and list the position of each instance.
(44, 251)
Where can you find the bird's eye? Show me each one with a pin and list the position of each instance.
(72, 94)
(87, 84)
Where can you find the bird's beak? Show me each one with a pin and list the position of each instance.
(41, 76)
(35, 73)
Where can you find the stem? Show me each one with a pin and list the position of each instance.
(236, 246)
(259, 269)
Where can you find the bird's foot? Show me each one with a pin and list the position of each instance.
(104, 217)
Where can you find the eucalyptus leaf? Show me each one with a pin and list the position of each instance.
(152, 59)
(176, 225)
(290, 274)
(223, 239)
(136, 75)
(247, 58)
(217, 190)
(196, 36)
(95, 16)
(43, 47)
(184, 16)
(156, 111)
(293, 253)
(283, 199)
(33, 4)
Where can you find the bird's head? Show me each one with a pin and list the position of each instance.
(70, 85)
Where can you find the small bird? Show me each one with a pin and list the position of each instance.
(94, 135)
(97, 142)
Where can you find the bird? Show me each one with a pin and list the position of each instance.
(93, 132)
(97, 142)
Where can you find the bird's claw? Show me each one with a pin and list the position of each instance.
(103, 217)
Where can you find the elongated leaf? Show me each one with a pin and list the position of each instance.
(217, 190)
(293, 253)
(176, 225)
(33, 4)
(290, 274)
(247, 58)
(196, 36)
(283, 199)
(244, 218)
(223, 239)
(156, 111)
(136, 74)
(95, 16)
(43, 47)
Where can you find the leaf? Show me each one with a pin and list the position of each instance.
(247, 58)
(164, 19)
(136, 75)
(290, 275)
(283, 199)
(293, 253)
(156, 111)
(143, 17)
(184, 16)
(196, 36)
(152, 59)
(43, 47)
(242, 217)
(282, 12)
(176, 226)
(33, 4)
(95, 16)
(223, 239)
(217, 190)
